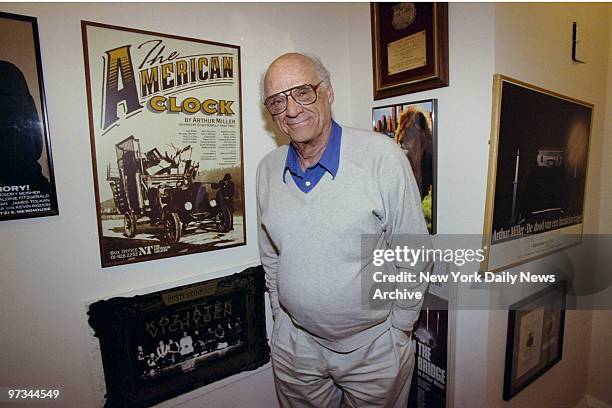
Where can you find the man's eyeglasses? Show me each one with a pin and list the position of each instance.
(303, 94)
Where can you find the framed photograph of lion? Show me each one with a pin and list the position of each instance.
(538, 161)
(413, 126)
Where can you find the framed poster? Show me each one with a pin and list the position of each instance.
(413, 126)
(166, 138)
(409, 47)
(538, 159)
(27, 182)
(163, 344)
(535, 337)
(430, 336)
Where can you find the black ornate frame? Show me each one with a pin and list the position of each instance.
(121, 324)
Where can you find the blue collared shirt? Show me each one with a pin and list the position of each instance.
(330, 160)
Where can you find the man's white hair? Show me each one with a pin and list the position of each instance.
(324, 75)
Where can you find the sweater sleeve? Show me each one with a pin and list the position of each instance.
(268, 253)
(404, 227)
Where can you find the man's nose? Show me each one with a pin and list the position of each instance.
(293, 107)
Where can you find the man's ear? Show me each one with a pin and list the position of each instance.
(330, 94)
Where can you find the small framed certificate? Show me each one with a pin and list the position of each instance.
(409, 47)
(535, 337)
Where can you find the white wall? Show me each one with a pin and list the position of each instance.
(464, 108)
(50, 266)
(464, 124)
(605, 218)
(533, 44)
(600, 374)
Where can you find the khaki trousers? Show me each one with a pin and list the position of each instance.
(307, 374)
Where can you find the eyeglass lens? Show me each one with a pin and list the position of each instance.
(303, 94)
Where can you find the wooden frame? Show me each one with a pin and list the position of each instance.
(163, 344)
(181, 102)
(538, 160)
(423, 115)
(535, 337)
(27, 180)
(409, 47)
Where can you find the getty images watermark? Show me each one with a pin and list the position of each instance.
(400, 269)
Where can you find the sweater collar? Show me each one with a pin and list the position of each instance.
(330, 160)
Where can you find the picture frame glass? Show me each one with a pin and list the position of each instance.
(27, 180)
(538, 164)
(164, 343)
(413, 125)
(409, 47)
(165, 118)
(535, 337)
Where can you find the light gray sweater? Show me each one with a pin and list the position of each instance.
(311, 243)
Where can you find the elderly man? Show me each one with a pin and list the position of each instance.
(316, 198)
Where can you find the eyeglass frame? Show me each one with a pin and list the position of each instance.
(288, 94)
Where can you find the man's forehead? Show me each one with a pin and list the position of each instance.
(289, 72)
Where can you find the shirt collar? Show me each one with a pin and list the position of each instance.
(330, 160)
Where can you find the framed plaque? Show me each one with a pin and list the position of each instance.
(538, 161)
(535, 337)
(165, 119)
(409, 47)
(163, 344)
(27, 182)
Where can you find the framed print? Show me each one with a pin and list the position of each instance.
(409, 47)
(535, 337)
(165, 118)
(538, 158)
(27, 182)
(429, 382)
(413, 126)
(163, 344)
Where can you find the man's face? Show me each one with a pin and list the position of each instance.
(302, 123)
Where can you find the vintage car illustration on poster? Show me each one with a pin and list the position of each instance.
(163, 190)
